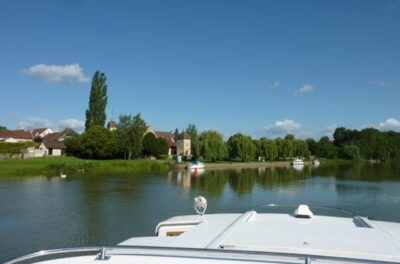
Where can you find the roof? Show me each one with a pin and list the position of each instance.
(168, 136)
(356, 237)
(55, 140)
(112, 123)
(39, 130)
(17, 134)
(183, 135)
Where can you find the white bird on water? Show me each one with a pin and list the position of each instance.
(200, 205)
(62, 176)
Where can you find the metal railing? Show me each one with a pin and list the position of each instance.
(105, 253)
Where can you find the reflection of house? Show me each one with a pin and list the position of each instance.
(39, 133)
(15, 136)
(53, 143)
(180, 146)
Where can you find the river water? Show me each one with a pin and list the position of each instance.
(48, 212)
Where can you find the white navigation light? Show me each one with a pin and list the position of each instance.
(200, 205)
(303, 211)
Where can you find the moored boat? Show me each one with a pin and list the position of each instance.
(297, 162)
(196, 165)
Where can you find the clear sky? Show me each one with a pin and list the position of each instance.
(263, 68)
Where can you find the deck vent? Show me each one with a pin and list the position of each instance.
(303, 211)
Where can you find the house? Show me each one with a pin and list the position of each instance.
(15, 136)
(112, 125)
(53, 143)
(180, 146)
(40, 133)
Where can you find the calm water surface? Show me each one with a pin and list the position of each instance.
(41, 213)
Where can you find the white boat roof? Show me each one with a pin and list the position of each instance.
(358, 237)
(248, 238)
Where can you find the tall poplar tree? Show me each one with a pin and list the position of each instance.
(96, 113)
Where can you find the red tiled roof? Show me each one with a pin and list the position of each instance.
(183, 135)
(55, 140)
(17, 134)
(168, 136)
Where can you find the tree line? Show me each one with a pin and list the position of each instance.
(130, 140)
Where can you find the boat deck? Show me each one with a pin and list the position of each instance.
(319, 235)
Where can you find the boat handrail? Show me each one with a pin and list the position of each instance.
(354, 213)
(104, 253)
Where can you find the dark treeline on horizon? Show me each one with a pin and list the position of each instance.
(366, 144)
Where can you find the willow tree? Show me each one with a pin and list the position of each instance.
(212, 146)
(241, 147)
(96, 113)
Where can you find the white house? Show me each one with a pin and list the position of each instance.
(39, 133)
(15, 136)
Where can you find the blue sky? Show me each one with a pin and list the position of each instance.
(264, 68)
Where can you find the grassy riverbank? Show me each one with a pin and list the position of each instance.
(55, 165)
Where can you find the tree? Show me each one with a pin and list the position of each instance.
(312, 145)
(73, 145)
(351, 151)
(98, 143)
(267, 148)
(176, 134)
(130, 132)
(194, 140)
(95, 114)
(153, 146)
(3, 128)
(326, 149)
(241, 147)
(212, 146)
(301, 148)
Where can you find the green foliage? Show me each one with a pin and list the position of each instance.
(3, 128)
(326, 149)
(312, 145)
(301, 148)
(98, 143)
(351, 151)
(96, 114)
(212, 146)
(52, 166)
(15, 148)
(130, 132)
(241, 147)
(73, 145)
(194, 140)
(153, 146)
(267, 148)
(368, 143)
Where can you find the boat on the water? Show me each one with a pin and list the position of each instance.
(298, 162)
(301, 236)
(196, 165)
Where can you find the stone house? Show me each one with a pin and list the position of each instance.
(53, 143)
(180, 146)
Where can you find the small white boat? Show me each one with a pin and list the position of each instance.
(301, 236)
(197, 165)
(316, 162)
(298, 162)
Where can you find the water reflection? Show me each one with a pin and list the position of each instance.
(241, 181)
(47, 212)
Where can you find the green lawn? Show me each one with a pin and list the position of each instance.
(55, 165)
